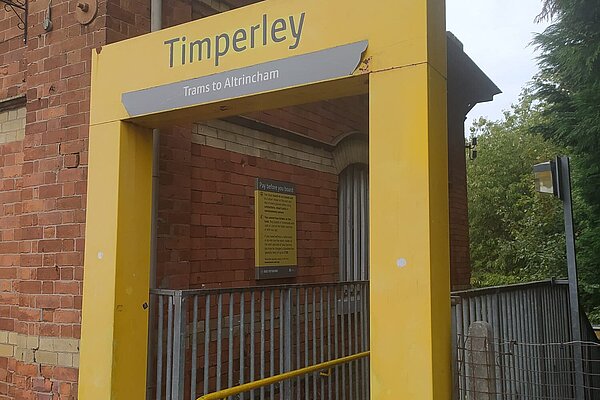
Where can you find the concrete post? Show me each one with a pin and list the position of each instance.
(480, 365)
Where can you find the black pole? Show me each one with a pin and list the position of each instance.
(564, 177)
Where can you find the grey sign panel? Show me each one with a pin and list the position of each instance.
(319, 66)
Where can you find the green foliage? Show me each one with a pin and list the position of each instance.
(568, 88)
(516, 233)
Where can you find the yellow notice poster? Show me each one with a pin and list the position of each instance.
(276, 254)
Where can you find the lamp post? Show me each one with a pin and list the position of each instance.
(555, 177)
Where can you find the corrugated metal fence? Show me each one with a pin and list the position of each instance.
(533, 348)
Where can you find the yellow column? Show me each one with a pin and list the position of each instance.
(410, 285)
(116, 267)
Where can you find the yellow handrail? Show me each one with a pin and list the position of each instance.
(277, 378)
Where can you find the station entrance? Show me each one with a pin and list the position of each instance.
(342, 51)
(235, 327)
(218, 317)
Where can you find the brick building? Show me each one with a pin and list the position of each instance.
(205, 224)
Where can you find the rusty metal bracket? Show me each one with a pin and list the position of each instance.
(18, 6)
(86, 11)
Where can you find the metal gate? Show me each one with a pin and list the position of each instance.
(211, 339)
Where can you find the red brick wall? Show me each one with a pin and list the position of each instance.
(12, 83)
(174, 208)
(12, 55)
(325, 121)
(221, 221)
(10, 206)
(460, 269)
(43, 181)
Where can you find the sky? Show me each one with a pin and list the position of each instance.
(496, 34)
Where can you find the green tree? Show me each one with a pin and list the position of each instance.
(516, 234)
(568, 88)
(569, 85)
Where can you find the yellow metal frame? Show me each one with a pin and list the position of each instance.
(404, 72)
(246, 387)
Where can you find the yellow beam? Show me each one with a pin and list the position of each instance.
(409, 245)
(117, 256)
(395, 29)
(246, 387)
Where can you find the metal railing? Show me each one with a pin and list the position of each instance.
(250, 386)
(209, 339)
(533, 347)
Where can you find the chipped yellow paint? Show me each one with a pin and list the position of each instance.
(117, 255)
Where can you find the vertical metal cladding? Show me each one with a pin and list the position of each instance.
(532, 340)
(354, 223)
